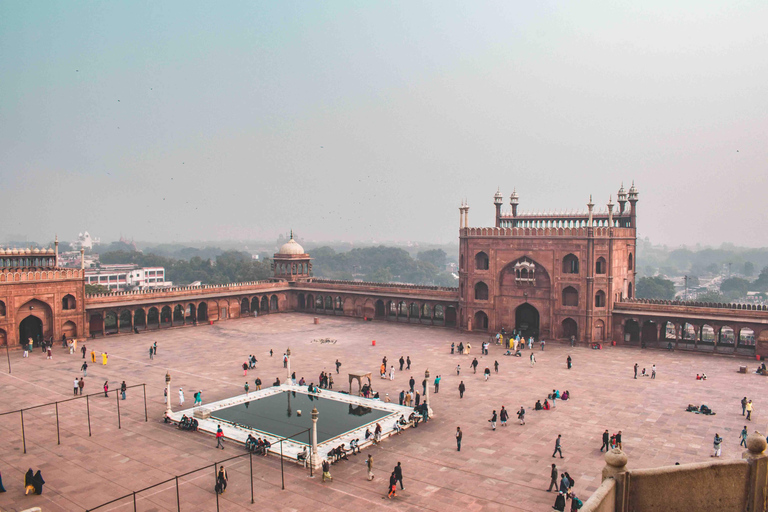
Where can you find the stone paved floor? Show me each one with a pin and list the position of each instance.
(503, 470)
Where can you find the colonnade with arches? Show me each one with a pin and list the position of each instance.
(693, 334)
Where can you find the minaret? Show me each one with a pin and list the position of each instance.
(461, 215)
(610, 212)
(590, 206)
(82, 258)
(498, 200)
(56, 251)
(622, 198)
(513, 201)
(466, 214)
(633, 206)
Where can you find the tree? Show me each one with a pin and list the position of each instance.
(693, 282)
(710, 296)
(749, 268)
(761, 283)
(437, 257)
(655, 288)
(93, 289)
(734, 288)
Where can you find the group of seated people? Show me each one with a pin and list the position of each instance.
(367, 392)
(188, 423)
(555, 395)
(258, 446)
(703, 409)
(703, 376)
(516, 354)
(761, 369)
(336, 454)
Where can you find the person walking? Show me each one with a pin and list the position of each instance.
(76, 381)
(503, 416)
(437, 383)
(123, 389)
(93, 356)
(717, 442)
(402, 362)
(412, 383)
(569, 361)
(743, 437)
(245, 369)
(392, 486)
(533, 359)
(462, 388)
(327, 471)
(338, 365)
(424, 387)
(83, 350)
(181, 397)
(618, 440)
(221, 480)
(399, 475)
(487, 373)
(369, 463)
(104, 358)
(49, 352)
(636, 370)
(84, 368)
(458, 369)
(749, 410)
(198, 398)
(246, 387)
(606, 440)
(496, 366)
(459, 435)
(474, 365)
(81, 385)
(154, 346)
(743, 406)
(219, 438)
(492, 421)
(553, 478)
(453, 347)
(106, 389)
(151, 353)
(257, 382)
(392, 372)
(542, 345)
(521, 415)
(558, 446)
(26, 351)
(653, 372)
(407, 362)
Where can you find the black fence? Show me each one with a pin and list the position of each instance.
(117, 392)
(135, 497)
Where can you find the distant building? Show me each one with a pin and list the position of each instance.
(127, 277)
(85, 241)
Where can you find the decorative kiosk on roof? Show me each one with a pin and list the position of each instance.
(291, 263)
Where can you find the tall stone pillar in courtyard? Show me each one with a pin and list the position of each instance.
(316, 462)
(288, 357)
(168, 393)
(426, 394)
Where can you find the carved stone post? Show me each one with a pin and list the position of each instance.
(616, 468)
(758, 471)
(316, 462)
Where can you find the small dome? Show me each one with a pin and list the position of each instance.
(36, 251)
(291, 247)
(28, 251)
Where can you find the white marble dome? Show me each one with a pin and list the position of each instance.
(291, 247)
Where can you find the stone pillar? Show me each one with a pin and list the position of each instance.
(426, 394)
(288, 366)
(316, 463)
(616, 468)
(758, 471)
(168, 392)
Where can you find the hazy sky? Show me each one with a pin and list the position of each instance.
(173, 121)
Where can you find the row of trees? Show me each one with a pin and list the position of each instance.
(731, 289)
(379, 264)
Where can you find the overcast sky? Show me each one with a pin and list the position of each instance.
(175, 121)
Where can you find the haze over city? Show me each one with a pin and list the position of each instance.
(188, 121)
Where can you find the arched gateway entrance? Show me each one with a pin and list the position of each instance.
(527, 320)
(31, 327)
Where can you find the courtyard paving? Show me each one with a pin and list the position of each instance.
(506, 469)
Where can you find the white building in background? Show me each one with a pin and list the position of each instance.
(127, 277)
(85, 241)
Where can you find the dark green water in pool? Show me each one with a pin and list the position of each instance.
(277, 414)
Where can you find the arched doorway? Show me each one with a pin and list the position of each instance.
(153, 318)
(450, 316)
(191, 314)
(31, 327)
(480, 322)
(273, 303)
(139, 319)
(570, 328)
(380, 312)
(110, 323)
(4, 338)
(264, 304)
(69, 329)
(527, 320)
(244, 306)
(632, 331)
(302, 302)
(202, 312)
(650, 332)
(599, 331)
(96, 323)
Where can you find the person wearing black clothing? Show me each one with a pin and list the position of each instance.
(424, 387)
(462, 388)
(399, 475)
(553, 479)
(392, 485)
(496, 366)
(402, 397)
(618, 440)
(474, 365)
(558, 447)
(408, 363)
(635, 370)
(338, 365)
(606, 440)
(559, 502)
(569, 362)
(37, 482)
(492, 421)
(412, 382)
(459, 435)
(402, 363)
(503, 416)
